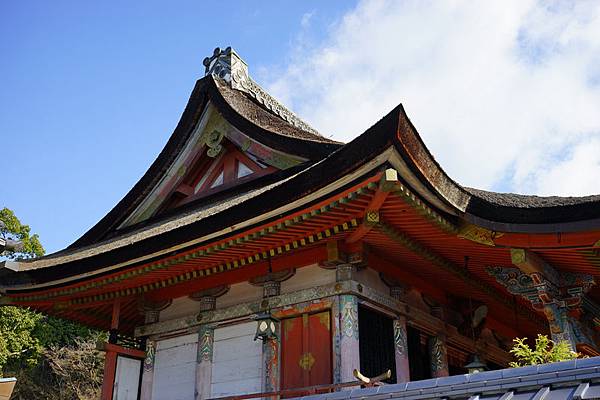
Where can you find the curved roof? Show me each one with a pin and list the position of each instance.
(498, 211)
(393, 141)
(511, 208)
(239, 109)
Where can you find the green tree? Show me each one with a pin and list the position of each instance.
(12, 229)
(43, 352)
(18, 344)
(544, 351)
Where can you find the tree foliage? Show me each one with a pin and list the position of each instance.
(64, 373)
(25, 334)
(51, 358)
(18, 344)
(544, 351)
(12, 228)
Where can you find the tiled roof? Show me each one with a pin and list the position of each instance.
(569, 380)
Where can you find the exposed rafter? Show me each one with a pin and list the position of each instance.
(371, 213)
(457, 270)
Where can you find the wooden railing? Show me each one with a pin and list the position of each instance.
(361, 381)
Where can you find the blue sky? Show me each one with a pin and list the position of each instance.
(91, 91)
(505, 94)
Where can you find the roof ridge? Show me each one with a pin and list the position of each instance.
(229, 66)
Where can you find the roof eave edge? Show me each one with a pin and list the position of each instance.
(12, 265)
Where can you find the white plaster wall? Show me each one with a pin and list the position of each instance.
(181, 307)
(307, 277)
(369, 277)
(175, 368)
(237, 361)
(239, 293)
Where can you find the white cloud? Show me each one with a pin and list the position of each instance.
(505, 94)
(305, 20)
(582, 161)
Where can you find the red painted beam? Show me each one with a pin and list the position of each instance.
(549, 240)
(374, 205)
(295, 259)
(125, 351)
(299, 213)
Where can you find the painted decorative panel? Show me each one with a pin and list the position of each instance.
(306, 350)
(349, 316)
(237, 361)
(175, 368)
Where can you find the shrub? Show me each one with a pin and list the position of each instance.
(545, 351)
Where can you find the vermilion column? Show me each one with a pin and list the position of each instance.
(110, 358)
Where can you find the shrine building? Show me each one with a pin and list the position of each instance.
(258, 256)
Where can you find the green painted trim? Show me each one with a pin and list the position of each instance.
(186, 276)
(199, 253)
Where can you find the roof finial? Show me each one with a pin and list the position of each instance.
(225, 64)
(229, 66)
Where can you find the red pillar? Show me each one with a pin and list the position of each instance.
(110, 359)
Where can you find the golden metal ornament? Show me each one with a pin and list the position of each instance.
(478, 234)
(372, 217)
(306, 361)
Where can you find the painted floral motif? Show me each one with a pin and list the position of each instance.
(337, 352)
(349, 306)
(150, 355)
(437, 349)
(205, 344)
(271, 361)
(213, 142)
(400, 342)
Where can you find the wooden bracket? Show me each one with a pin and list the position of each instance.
(371, 214)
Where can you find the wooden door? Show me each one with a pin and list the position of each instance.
(127, 378)
(306, 350)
